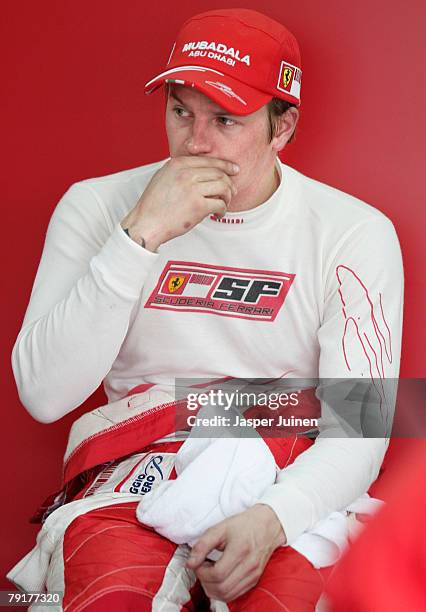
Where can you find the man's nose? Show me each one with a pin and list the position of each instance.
(198, 141)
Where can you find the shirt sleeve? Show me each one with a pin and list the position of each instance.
(360, 339)
(89, 278)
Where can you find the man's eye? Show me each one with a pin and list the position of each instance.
(226, 121)
(179, 112)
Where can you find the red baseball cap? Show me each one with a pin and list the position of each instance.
(239, 58)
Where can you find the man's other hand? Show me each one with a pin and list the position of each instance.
(247, 541)
(180, 195)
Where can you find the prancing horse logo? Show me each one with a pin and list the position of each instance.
(175, 282)
(287, 74)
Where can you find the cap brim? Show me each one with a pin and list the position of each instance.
(235, 97)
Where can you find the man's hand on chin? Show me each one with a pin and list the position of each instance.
(247, 541)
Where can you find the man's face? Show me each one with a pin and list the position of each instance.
(197, 126)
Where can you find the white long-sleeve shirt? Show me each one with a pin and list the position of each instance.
(309, 284)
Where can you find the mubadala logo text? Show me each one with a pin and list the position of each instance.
(218, 51)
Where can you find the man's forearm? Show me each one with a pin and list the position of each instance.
(325, 478)
(52, 354)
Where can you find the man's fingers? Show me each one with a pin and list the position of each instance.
(216, 206)
(227, 582)
(229, 565)
(201, 161)
(217, 188)
(211, 539)
(201, 175)
(241, 586)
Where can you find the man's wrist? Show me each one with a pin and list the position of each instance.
(144, 239)
(275, 529)
(141, 238)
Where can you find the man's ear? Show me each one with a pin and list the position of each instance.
(286, 124)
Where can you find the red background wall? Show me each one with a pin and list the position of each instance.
(74, 108)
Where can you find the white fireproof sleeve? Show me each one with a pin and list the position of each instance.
(360, 338)
(89, 279)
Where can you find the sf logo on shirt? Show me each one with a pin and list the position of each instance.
(245, 290)
(221, 290)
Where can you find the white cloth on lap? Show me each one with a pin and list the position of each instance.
(218, 478)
